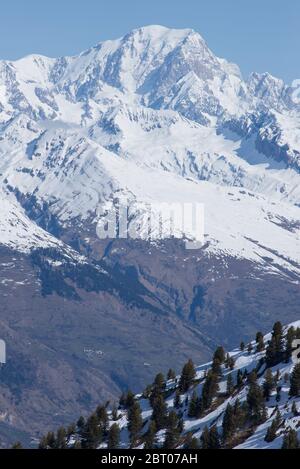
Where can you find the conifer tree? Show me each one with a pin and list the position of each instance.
(259, 342)
(205, 440)
(102, 415)
(80, 423)
(150, 437)
(77, 445)
(71, 430)
(114, 436)
(295, 409)
(135, 422)
(114, 414)
(275, 349)
(50, 440)
(129, 400)
(177, 399)
(43, 444)
(191, 442)
(228, 424)
(159, 383)
(255, 400)
(272, 429)
(171, 374)
(214, 438)
(159, 413)
(193, 405)
(295, 381)
(229, 385)
(290, 440)
(61, 436)
(268, 384)
(219, 355)
(187, 376)
(290, 336)
(92, 433)
(209, 389)
(17, 445)
(216, 367)
(239, 379)
(173, 431)
(242, 346)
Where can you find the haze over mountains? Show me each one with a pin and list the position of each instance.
(154, 116)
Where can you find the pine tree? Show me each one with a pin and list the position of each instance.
(229, 385)
(239, 379)
(255, 400)
(77, 445)
(61, 437)
(219, 355)
(159, 413)
(129, 401)
(71, 430)
(159, 383)
(114, 436)
(193, 405)
(50, 440)
(17, 445)
(205, 438)
(242, 346)
(43, 444)
(275, 349)
(209, 389)
(102, 415)
(216, 367)
(150, 437)
(135, 422)
(260, 345)
(187, 376)
(80, 423)
(171, 374)
(295, 409)
(295, 381)
(214, 438)
(229, 423)
(173, 432)
(191, 442)
(290, 336)
(290, 440)
(177, 399)
(268, 384)
(92, 433)
(114, 414)
(272, 429)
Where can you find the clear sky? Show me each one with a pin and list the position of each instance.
(258, 35)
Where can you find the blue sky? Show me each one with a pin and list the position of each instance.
(257, 35)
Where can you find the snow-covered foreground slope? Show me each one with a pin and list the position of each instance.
(250, 434)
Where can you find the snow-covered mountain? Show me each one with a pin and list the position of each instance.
(155, 117)
(157, 105)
